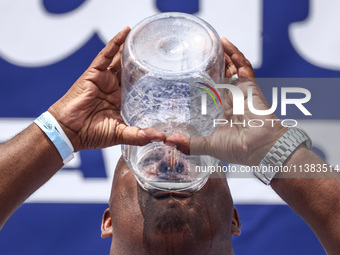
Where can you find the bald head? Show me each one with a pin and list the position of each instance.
(141, 223)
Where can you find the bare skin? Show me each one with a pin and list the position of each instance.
(169, 222)
(89, 113)
(315, 197)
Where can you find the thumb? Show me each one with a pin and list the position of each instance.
(137, 136)
(197, 145)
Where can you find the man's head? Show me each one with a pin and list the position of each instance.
(171, 223)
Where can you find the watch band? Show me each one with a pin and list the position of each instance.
(279, 153)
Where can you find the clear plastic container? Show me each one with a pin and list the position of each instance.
(166, 59)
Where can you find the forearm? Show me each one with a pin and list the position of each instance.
(314, 198)
(27, 161)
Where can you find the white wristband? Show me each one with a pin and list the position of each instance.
(52, 129)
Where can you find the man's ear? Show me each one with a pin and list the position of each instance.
(106, 224)
(235, 224)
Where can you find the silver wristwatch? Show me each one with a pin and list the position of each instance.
(278, 154)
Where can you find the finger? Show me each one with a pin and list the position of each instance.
(230, 68)
(243, 66)
(104, 58)
(179, 141)
(116, 64)
(190, 146)
(137, 136)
